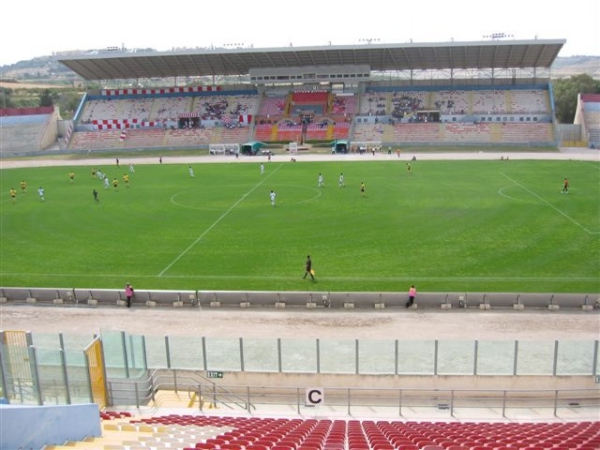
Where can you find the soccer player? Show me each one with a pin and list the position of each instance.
(42, 194)
(23, 186)
(93, 172)
(72, 176)
(362, 188)
(308, 268)
(341, 182)
(115, 183)
(408, 168)
(131, 169)
(106, 182)
(13, 194)
(191, 171)
(95, 194)
(262, 169)
(126, 179)
(320, 180)
(272, 195)
(565, 189)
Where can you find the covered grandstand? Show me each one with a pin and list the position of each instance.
(485, 93)
(480, 93)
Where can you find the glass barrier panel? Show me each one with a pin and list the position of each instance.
(495, 357)
(416, 357)
(575, 358)
(223, 354)
(260, 355)
(377, 357)
(77, 341)
(338, 356)
(535, 358)
(299, 355)
(114, 354)
(45, 340)
(456, 357)
(186, 352)
(52, 383)
(135, 355)
(156, 352)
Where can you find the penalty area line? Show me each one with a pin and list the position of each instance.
(546, 202)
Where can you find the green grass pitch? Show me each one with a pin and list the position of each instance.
(456, 226)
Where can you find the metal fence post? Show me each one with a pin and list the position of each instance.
(595, 359)
(396, 356)
(356, 356)
(35, 373)
(125, 358)
(279, 356)
(475, 356)
(168, 352)
(516, 358)
(204, 357)
(65, 375)
(318, 349)
(241, 341)
(435, 357)
(555, 362)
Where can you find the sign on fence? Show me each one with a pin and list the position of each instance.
(213, 374)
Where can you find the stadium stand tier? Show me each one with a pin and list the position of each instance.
(24, 130)
(391, 116)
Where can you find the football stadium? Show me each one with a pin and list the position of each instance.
(364, 247)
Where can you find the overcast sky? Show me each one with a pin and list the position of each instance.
(47, 27)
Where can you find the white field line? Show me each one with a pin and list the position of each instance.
(231, 208)
(299, 277)
(551, 205)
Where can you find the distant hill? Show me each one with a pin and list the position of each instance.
(46, 70)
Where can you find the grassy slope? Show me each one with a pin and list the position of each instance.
(450, 226)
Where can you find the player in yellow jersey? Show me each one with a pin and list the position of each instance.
(13, 194)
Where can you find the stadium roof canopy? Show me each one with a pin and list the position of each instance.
(492, 54)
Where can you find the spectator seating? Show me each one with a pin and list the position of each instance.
(485, 101)
(308, 97)
(265, 132)
(96, 140)
(123, 431)
(272, 106)
(339, 111)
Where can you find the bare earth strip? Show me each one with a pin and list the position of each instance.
(340, 324)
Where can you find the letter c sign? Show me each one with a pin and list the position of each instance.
(314, 396)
